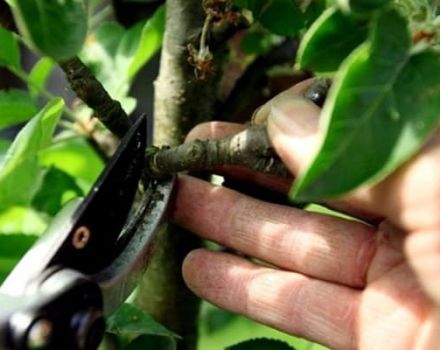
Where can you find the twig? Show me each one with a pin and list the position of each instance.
(250, 148)
(92, 93)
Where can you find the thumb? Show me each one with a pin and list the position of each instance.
(292, 125)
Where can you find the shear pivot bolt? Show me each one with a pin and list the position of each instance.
(81, 237)
(40, 334)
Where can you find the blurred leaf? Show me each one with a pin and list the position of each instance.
(12, 248)
(56, 189)
(9, 51)
(23, 220)
(4, 145)
(129, 323)
(16, 106)
(258, 42)
(76, 158)
(282, 17)
(313, 10)
(132, 322)
(150, 41)
(56, 28)
(384, 103)
(6, 266)
(261, 344)
(39, 75)
(216, 319)
(152, 342)
(362, 6)
(116, 54)
(338, 34)
(19, 171)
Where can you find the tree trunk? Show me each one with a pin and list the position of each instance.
(181, 101)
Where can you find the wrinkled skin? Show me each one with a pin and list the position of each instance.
(345, 284)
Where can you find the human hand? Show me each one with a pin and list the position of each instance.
(345, 284)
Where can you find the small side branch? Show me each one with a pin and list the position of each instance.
(92, 93)
(250, 148)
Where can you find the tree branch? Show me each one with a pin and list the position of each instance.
(250, 148)
(93, 94)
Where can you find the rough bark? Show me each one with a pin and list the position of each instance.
(93, 94)
(250, 148)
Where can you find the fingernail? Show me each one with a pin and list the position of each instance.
(294, 116)
(292, 127)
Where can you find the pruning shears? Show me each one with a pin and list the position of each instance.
(90, 258)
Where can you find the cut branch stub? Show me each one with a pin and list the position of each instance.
(250, 148)
(93, 94)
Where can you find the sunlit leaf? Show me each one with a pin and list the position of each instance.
(56, 28)
(115, 54)
(330, 40)
(19, 171)
(380, 111)
(76, 158)
(56, 189)
(150, 41)
(9, 51)
(261, 344)
(22, 220)
(39, 75)
(16, 106)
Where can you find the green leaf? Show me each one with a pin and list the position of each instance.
(145, 342)
(56, 28)
(216, 319)
(380, 111)
(282, 17)
(313, 10)
(258, 41)
(362, 6)
(56, 190)
(4, 145)
(21, 220)
(19, 171)
(149, 43)
(132, 322)
(9, 51)
(39, 75)
(129, 323)
(12, 248)
(261, 344)
(16, 106)
(338, 34)
(76, 158)
(116, 54)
